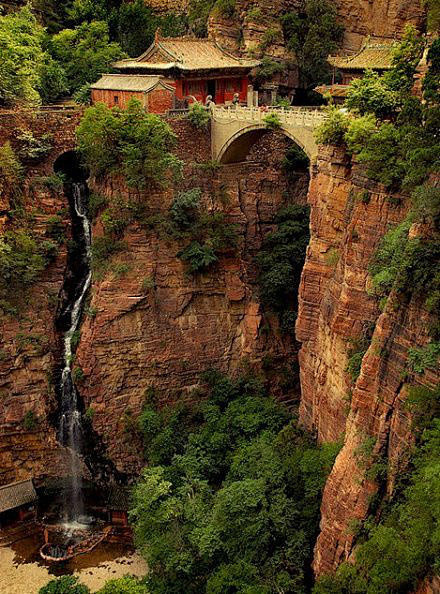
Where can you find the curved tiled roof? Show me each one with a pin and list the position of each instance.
(373, 56)
(185, 53)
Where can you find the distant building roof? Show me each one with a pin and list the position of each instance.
(374, 56)
(130, 82)
(119, 498)
(339, 91)
(17, 494)
(185, 54)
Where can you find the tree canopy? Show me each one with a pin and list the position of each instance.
(230, 499)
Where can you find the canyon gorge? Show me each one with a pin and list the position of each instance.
(146, 324)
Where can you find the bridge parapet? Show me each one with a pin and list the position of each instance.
(234, 127)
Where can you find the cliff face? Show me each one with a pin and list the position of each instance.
(384, 19)
(164, 337)
(349, 216)
(29, 343)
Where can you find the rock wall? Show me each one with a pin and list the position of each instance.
(166, 336)
(29, 344)
(384, 19)
(349, 216)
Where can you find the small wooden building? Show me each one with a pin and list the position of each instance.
(154, 92)
(196, 68)
(372, 56)
(118, 504)
(17, 502)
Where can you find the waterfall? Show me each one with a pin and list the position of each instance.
(70, 430)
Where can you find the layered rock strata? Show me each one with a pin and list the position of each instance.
(349, 216)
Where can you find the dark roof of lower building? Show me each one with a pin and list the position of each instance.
(119, 498)
(130, 82)
(17, 494)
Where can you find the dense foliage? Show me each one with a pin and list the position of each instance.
(230, 499)
(206, 235)
(312, 34)
(130, 142)
(281, 260)
(84, 53)
(22, 57)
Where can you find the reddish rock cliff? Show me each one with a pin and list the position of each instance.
(166, 336)
(29, 344)
(349, 216)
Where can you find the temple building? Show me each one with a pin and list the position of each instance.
(372, 56)
(193, 68)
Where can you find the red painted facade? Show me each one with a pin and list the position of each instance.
(221, 88)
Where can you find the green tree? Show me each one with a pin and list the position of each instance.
(235, 504)
(85, 52)
(130, 141)
(22, 57)
(312, 34)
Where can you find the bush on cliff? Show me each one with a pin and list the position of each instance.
(130, 142)
(233, 505)
(199, 116)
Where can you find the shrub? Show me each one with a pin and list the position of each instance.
(267, 69)
(64, 585)
(359, 132)
(371, 95)
(11, 170)
(334, 127)
(198, 256)
(22, 259)
(199, 116)
(225, 8)
(83, 95)
(102, 249)
(56, 229)
(183, 210)
(272, 121)
(424, 358)
(30, 421)
(34, 148)
(124, 585)
(332, 257)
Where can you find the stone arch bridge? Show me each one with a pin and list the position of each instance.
(235, 129)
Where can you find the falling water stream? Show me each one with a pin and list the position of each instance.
(70, 429)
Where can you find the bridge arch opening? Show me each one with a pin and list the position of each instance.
(239, 146)
(69, 164)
